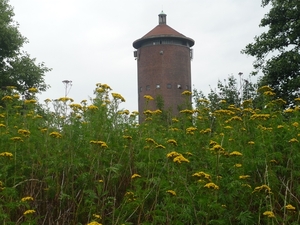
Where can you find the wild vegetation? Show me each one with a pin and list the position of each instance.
(91, 163)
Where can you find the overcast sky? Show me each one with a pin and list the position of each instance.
(90, 41)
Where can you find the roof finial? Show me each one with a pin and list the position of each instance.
(162, 18)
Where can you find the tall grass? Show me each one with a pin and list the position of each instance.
(91, 163)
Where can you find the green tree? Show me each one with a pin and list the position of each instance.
(233, 91)
(17, 68)
(282, 40)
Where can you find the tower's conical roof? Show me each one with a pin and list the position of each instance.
(162, 30)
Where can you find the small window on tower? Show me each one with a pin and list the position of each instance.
(178, 86)
(187, 87)
(158, 86)
(169, 86)
(141, 89)
(148, 87)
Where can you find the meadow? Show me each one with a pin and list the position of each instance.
(92, 163)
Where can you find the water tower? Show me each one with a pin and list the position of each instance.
(164, 68)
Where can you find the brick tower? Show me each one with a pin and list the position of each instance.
(164, 68)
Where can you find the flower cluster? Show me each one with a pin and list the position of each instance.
(212, 185)
(171, 192)
(55, 134)
(6, 154)
(118, 96)
(101, 143)
(264, 188)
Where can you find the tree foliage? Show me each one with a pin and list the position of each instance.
(17, 68)
(282, 40)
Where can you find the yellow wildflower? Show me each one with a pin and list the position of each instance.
(290, 207)
(211, 185)
(224, 112)
(7, 98)
(55, 134)
(172, 141)
(97, 216)
(187, 111)
(251, 142)
(263, 187)
(2, 125)
(175, 120)
(65, 99)
(148, 97)
(206, 131)
(295, 124)
(6, 154)
(235, 153)
(171, 192)
(25, 199)
(236, 118)
(202, 175)
(173, 154)
(293, 140)
(289, 110)
(269, 93)
(203, 101)
(16, 139)
(118, 96)
(244, 177)
(150, 140)
(190, 130)
(280, 126)
(47, 100)
(75, 106)
(92, 107)
(94, 223)
(101, 143)
(180, 158)
(186, 93)
(127, 137)
(238, 165)
(24, 132)
(33, 90)
(269, 214)
(260, 116)
(217, 147)
(30, 211)
(135, 176)
(160, 146)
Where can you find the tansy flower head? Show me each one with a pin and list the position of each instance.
(30, 211)
(235, 153)
(55, 134)
(264, 188)
(33, 90)
(211, 186)
(290, 207)
(186, 93)
(25, 199)
(6, 154)
(171, 192)
(118, 96)
(148, 97)
(135, 176)
(269, 214)
(244, 176)
(173, 154)
(180, 158)
(172, 141)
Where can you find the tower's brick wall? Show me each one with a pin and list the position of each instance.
(166, 65)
